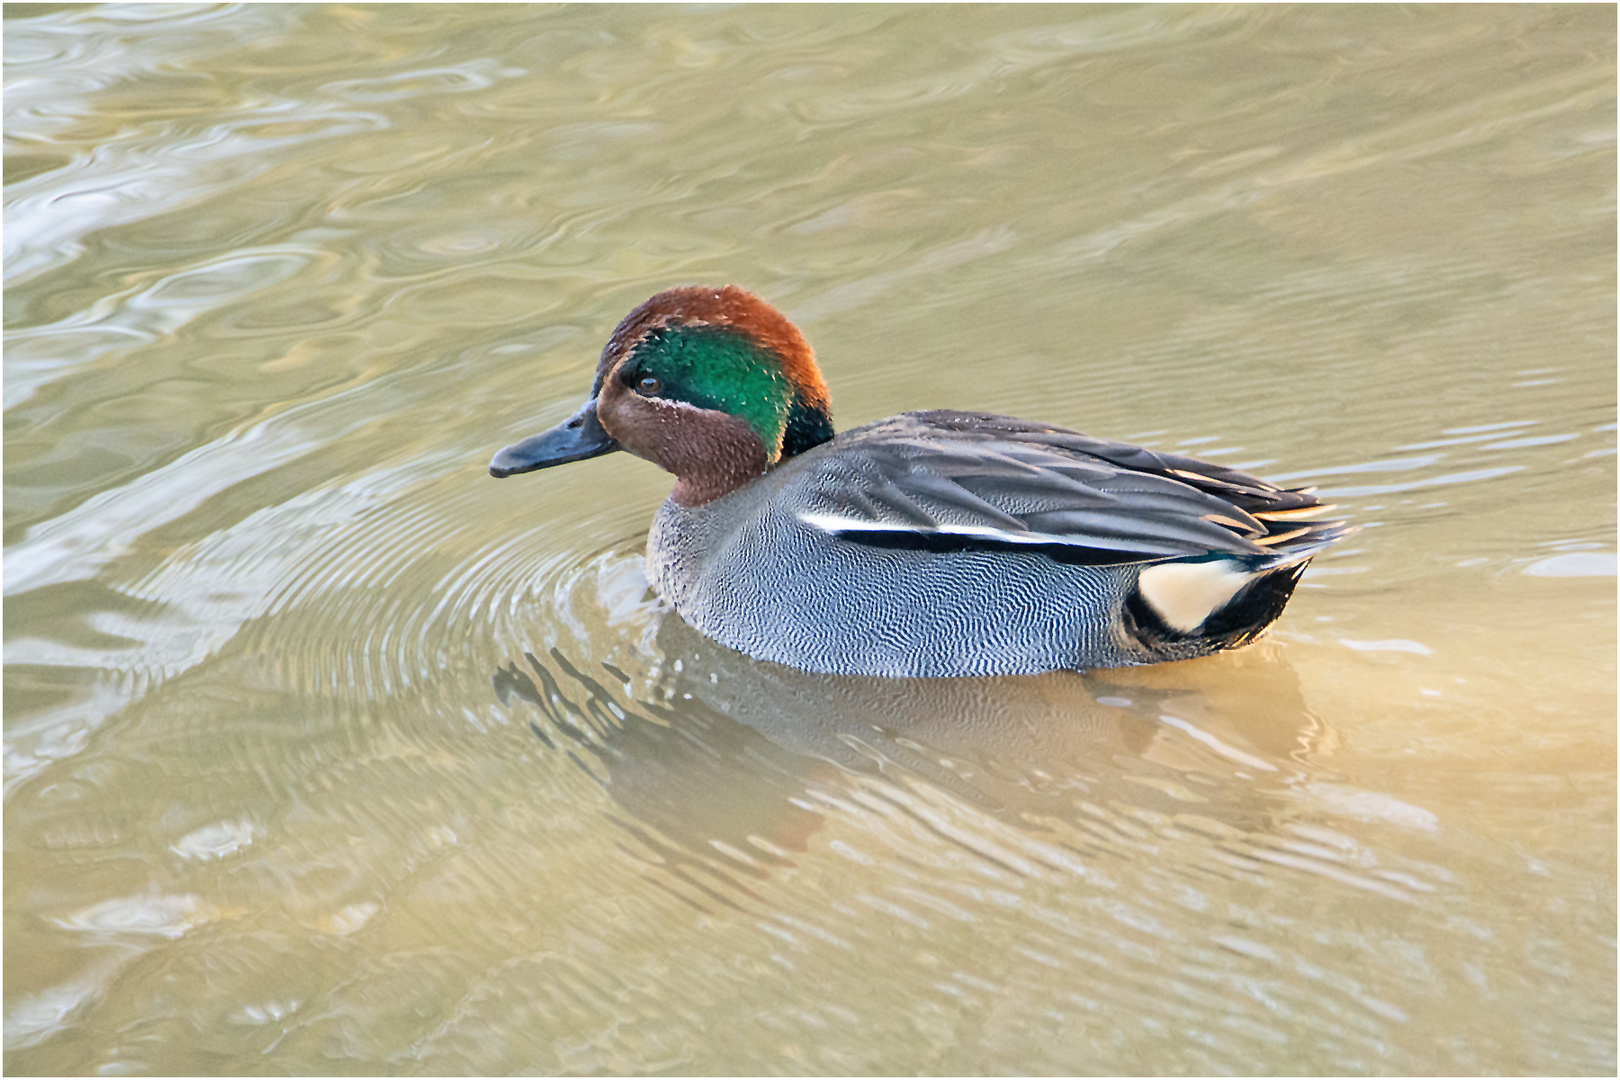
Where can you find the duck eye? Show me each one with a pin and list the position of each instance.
(649, 385)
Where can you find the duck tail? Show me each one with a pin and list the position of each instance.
(1188, 607)
(1290, 541)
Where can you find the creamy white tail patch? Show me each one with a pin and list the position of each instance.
(1184, 594)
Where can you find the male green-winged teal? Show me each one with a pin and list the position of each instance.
(930, 543)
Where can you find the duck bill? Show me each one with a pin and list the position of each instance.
(579, 437)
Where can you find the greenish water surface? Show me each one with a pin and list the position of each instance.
(327, 753)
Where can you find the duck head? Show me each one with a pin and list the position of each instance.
(713, 385)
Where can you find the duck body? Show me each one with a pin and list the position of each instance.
(928, 544)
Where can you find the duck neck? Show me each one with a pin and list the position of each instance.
(809, 424)
(713, 453)
(714, 458)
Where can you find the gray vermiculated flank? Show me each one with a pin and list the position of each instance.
(785, 569)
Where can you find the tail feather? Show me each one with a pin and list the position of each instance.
(1188, 607)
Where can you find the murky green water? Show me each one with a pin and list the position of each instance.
(324, 752)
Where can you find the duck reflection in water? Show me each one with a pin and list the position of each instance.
(725, 766)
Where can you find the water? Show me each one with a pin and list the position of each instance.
(324, 752)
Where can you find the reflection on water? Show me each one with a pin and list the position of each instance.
(324, 752)
(720, 753)
(1234, 742)
(1148, 792)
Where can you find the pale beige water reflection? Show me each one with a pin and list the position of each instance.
(326, 753)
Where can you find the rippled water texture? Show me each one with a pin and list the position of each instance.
(325, 752)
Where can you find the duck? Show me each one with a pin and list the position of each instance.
(930, 544)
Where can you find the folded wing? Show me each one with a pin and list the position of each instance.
(956, 480)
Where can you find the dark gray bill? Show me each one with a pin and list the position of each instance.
(579, 437)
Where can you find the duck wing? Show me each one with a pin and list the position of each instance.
(948, 480)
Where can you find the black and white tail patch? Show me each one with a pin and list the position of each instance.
(1218, 602)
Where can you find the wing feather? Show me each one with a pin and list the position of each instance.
(977, 478)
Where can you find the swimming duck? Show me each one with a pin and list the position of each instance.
(935, 543)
